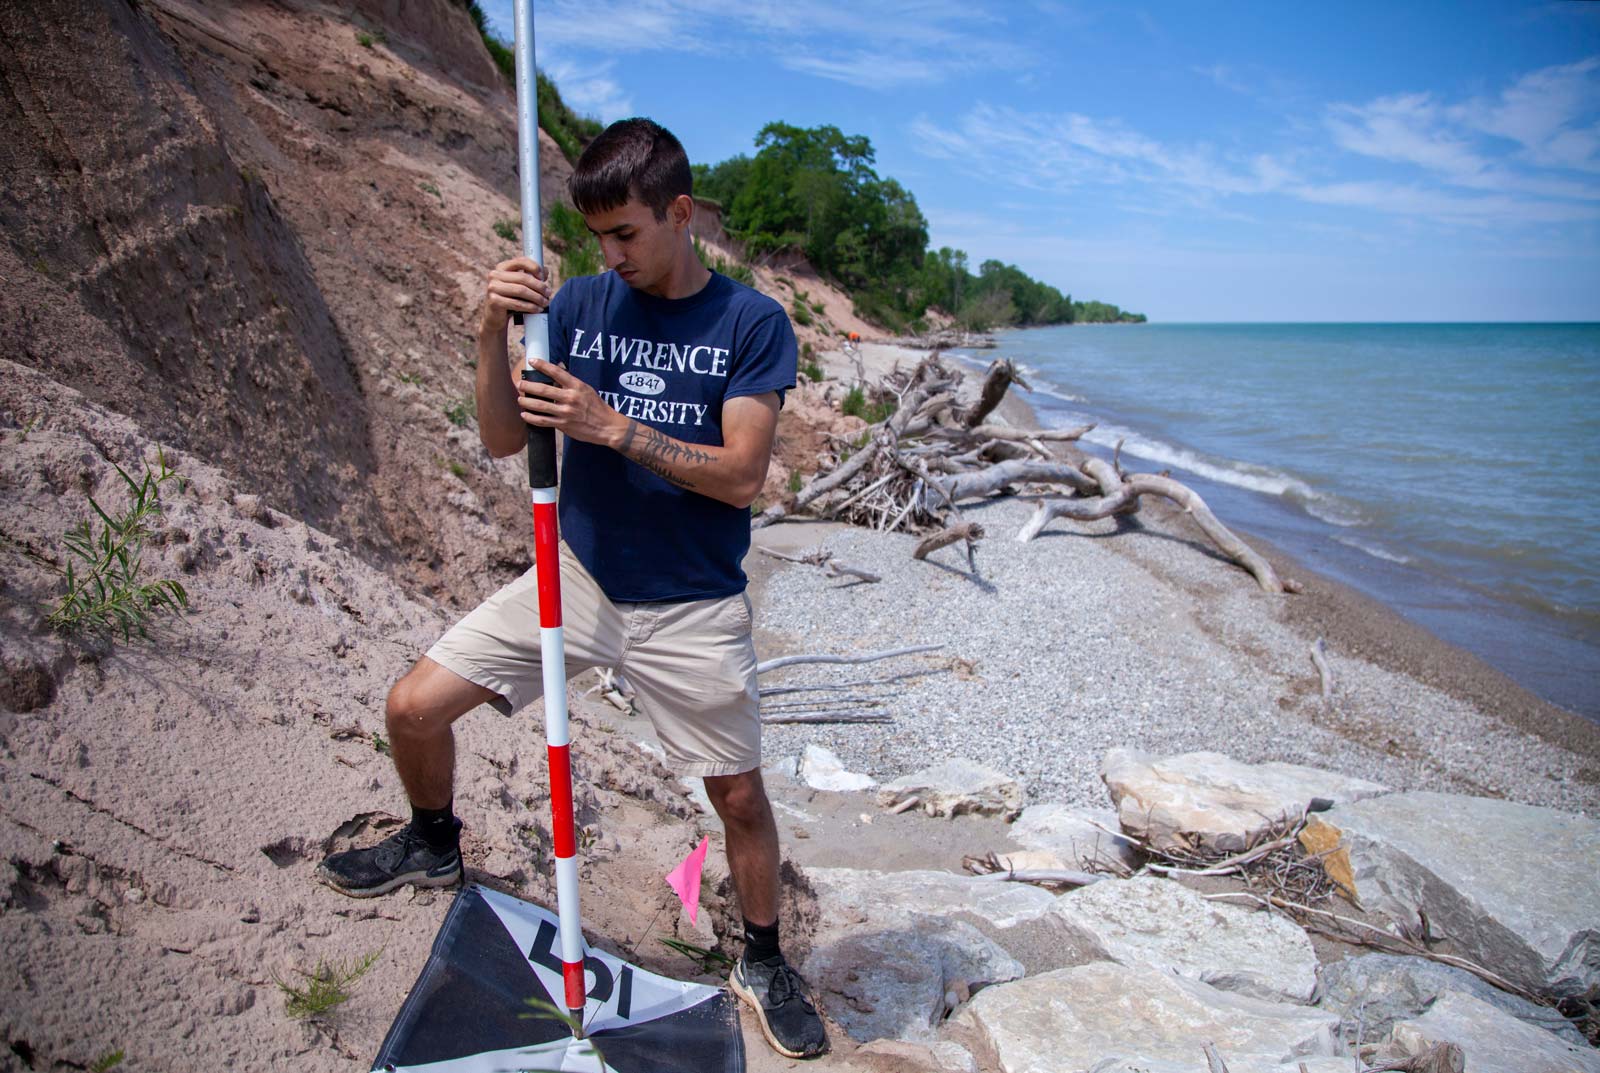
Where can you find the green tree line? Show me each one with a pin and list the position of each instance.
(815, 190)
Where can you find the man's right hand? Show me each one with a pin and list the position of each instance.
(515, 286)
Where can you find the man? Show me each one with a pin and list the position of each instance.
(668, 404)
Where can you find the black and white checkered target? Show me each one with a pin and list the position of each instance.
(468, 1011)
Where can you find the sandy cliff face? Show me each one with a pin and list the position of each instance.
(264, 241)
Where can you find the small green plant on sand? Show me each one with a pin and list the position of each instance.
(104, 590)
(456, 469)
(506, 229)
(429, 188)
(812, 371)
(795, 483)
(707, 959)
(802, 314)
(410, 378)
(462, 411)
(363, 39)
(380, 743)
(108, 1061)
(325, 988)
(855, 404)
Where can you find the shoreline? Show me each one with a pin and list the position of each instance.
(1469, 675)
(1464, 719)
(1512, 593)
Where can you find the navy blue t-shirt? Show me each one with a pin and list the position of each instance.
(670, 364)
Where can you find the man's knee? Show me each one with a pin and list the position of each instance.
(412, 712)
(739, 799)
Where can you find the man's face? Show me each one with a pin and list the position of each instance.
(637, 246)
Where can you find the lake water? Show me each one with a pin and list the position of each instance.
(1450, 470)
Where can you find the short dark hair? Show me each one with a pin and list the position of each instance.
(636, 158)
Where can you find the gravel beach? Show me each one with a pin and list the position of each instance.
(1136, 633)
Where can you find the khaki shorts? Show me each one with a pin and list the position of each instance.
(692, 665)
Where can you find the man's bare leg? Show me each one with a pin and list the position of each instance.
(762, 979)
(752, 837)
(426, 852)
(422, 705)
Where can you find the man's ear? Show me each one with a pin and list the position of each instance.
(682, 211)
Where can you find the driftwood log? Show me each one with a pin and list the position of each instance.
(996, 382)
(911, 471)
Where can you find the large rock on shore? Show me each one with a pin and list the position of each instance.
(1080, 1017)
(1513, 886)
(1374, 991)
(1162, 925)
(1207, 799)
(1077, 838)
(954, 788)
(1492, 1040)
(900, 949)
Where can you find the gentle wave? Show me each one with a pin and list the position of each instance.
(1374, 550)
(1254, 478)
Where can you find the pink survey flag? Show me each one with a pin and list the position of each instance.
(685, 879)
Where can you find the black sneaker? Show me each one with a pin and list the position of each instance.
(403, 857)
(778, 995)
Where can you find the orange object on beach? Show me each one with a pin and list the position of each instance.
(855, 337)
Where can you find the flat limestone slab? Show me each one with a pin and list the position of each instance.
(851, 895)
(1209, 799)
(1070, 835)
(1514, 886)
(1071, 1020)
(956, 787)
(1163, 925)
(1492, 1040)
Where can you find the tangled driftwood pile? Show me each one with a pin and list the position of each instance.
(910, 471)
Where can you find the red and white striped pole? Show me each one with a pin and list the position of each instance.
(546, 538)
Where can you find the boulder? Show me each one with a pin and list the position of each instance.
(1018, 917)
(955, 787)
(1512, 886)
(1163, 925)
(1071, 837)
(823, 770)
(1207, 799)
(1077, 1018)
(898, 977)
(1374, 991)
(1492, 1040)
(895, 951)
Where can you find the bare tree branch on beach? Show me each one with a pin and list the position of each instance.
(910, 471)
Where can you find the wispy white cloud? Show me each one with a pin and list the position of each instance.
(876, 46)
(591, 89)
(1454, 166)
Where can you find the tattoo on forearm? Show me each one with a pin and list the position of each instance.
(659, 453)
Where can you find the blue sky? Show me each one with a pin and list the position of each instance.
(1232, 162)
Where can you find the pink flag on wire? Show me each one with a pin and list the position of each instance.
(685, 879)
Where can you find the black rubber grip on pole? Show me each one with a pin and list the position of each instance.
(541, 445)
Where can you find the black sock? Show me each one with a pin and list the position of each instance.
(437, 826)
(761, 943)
